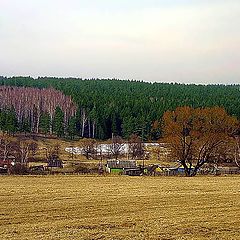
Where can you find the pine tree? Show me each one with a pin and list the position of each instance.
(72, 130)
(11, 122)
(45, 123)
(2, 120)
(58, 122)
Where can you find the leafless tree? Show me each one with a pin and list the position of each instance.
(5, 147)
(136, 147)
(30, 103)
(116, 146)
(88, 147)
(237, 150)
(24, 151)
(53, 152)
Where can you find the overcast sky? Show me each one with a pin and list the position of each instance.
(189, 41)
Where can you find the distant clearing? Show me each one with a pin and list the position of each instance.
(119, 207)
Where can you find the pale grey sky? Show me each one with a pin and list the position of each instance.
(190, 41)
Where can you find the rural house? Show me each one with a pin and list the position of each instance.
(119, 166)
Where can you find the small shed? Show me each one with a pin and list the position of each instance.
(133, 172)
(55, 163)
(228, 170)
(39, 168)
(154, 170)
(177, 170)
(3, 170)
(118, 166)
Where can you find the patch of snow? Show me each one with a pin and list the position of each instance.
(106, 148)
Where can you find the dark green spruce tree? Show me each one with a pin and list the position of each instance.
(45, 123)
(58, 122)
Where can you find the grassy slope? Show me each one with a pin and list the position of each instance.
(48, 142)
(66, 157)
(77, 207)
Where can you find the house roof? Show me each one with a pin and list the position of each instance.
(121, 164)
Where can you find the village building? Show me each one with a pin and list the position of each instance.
(56, 163)
(6, 164)
(119, 166)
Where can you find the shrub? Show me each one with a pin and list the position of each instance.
(86, 168)
(19, 169)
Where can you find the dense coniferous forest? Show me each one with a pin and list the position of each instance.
(110, 106)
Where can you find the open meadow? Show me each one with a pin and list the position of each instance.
(119, 207)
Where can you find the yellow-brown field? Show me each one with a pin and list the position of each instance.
(119, 207)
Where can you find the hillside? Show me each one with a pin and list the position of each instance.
(124, 107)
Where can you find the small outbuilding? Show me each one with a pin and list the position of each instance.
(55, 163)
(3, 170)
(133, 172)
(38, 169)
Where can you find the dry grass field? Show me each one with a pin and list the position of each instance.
(119, 207)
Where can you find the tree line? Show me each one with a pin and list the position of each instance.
(191, 136)
(110, 106)
(27, 109)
